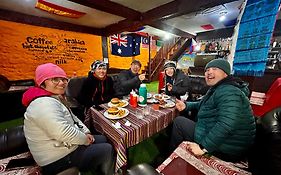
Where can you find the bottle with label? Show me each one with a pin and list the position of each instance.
(142, 95)
(131, 97)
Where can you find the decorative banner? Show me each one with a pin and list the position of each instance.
(58, 10)
(125, 45)
(254, 36)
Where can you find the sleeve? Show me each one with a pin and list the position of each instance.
(48, 114)
(129, 83)
(85, 95)
(229, 104)
(192, 105)
(181, 85)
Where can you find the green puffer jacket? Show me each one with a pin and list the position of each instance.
(225, 123)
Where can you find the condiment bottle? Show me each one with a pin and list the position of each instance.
(142, 94)
(134, 101)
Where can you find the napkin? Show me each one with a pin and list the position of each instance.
(117, 125)
(128, 123)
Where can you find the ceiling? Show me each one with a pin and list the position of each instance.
(104, 17)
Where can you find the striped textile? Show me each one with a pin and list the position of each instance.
(128, 136)
(209, 166)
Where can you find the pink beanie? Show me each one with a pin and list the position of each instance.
(46, 71)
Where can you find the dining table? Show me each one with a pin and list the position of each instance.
(183, 162)
(132, 130)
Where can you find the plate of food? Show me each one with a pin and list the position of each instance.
(161, 96)
(166, 104)
(117, 103)
(116, 113)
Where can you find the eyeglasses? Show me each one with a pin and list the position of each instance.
(58, 79)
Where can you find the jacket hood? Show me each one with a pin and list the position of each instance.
(235, 81)
(33, 93)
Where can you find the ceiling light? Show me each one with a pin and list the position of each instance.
(222, 18)
(167, 37)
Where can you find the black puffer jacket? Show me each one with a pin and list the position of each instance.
(180, 84)
(95, 91)
(126, 81)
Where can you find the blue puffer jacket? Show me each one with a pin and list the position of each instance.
(225, 123)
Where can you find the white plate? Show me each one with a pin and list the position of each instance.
(114, 117)
(124, 101)
(169, 104)
(164, 96)
(149, 95)
(152, 100)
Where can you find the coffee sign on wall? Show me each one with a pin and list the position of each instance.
(59, 49)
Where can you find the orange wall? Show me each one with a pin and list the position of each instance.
(23, 47)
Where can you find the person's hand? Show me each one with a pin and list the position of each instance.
(180, 105)
(195, 149)
(90, 138)
(142, 77)
(169, 86)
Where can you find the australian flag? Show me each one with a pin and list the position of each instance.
(125, 45)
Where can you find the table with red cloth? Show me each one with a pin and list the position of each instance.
(183, 162)
(128, 136)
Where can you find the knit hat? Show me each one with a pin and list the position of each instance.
(96, 64)
(136, 62)
(221, 64)
(171, 64)
(46, 71)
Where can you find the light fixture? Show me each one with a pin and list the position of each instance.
(222, 16)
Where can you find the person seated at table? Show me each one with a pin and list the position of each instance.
(57, 139)
(225, 124)
(176, 82)
(128, 80)
(98, 87)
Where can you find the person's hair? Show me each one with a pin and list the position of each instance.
(136, 62)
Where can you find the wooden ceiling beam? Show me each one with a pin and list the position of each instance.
(111, 8)
(46, 22)
(166, 11)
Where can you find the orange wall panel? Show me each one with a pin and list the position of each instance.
(24, 47)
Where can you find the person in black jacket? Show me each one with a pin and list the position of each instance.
(129, 80)
(98, 87)
(176, 82)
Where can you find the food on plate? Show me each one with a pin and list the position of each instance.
(158, 97)
(121, 112)
(113, 111)
(115, 101)
(162, 102)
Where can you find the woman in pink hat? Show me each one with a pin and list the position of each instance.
(57, 139)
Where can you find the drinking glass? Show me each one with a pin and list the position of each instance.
(146, 110)
(139, 114)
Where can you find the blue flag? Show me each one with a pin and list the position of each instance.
(125, 45)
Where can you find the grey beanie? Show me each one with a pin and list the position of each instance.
(171, 64)
(221, 64)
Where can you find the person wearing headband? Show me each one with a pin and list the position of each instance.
(98, 87)
(128, 80)
(176, 82)
(57, 139)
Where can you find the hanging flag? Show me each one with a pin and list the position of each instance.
(58, 10)
(144, 42)
(125, 45)
(192, 46)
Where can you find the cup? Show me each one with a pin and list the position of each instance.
(146, 111)
(139, 114)
(155, 106)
